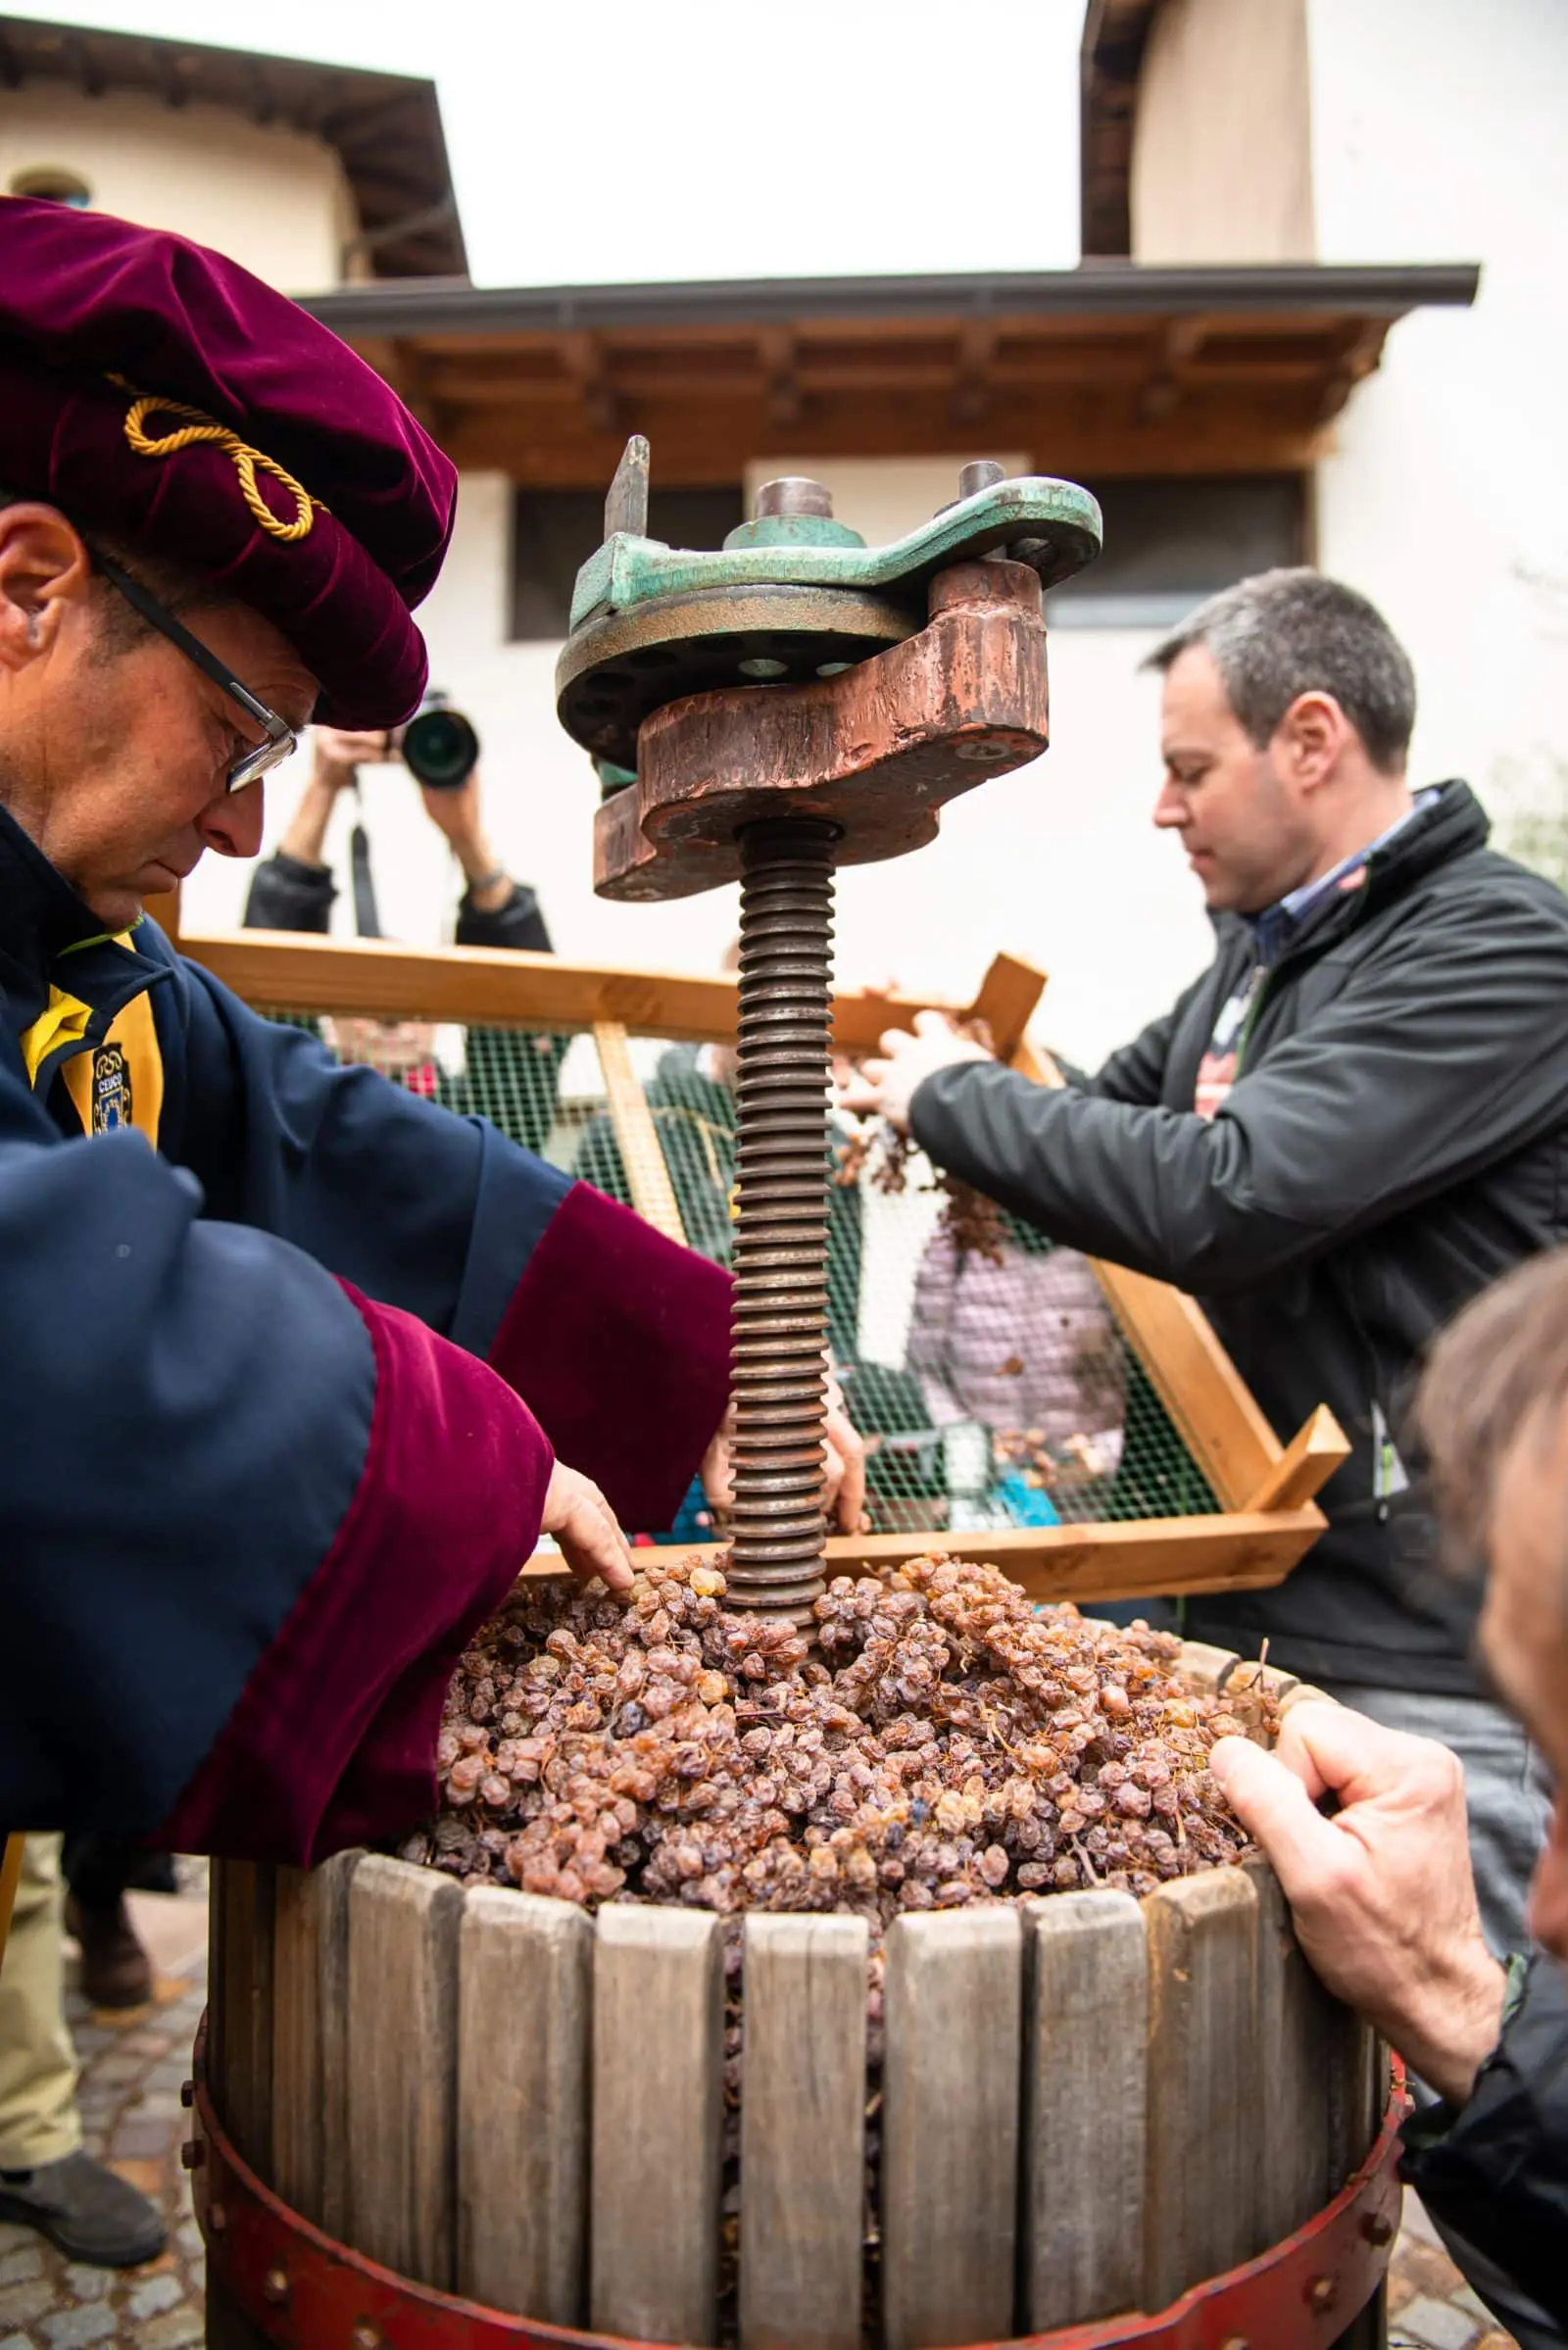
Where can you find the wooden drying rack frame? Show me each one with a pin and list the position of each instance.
(1268, 1517)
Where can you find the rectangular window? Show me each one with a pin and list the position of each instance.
(554, 531)
(1172, 541)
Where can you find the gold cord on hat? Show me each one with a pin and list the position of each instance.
(244, 459)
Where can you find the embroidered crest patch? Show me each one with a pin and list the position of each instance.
(111, 1090)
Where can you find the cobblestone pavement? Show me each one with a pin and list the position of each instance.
(1430, 2305)
(133, 2120)
(131, 2074)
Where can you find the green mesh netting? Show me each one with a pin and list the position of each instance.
(995, 1386)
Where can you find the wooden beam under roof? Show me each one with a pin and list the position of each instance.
(1095, 372)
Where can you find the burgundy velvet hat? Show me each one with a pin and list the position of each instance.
(153, 390)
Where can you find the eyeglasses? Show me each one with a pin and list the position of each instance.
(281, 739)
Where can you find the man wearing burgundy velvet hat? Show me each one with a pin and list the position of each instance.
(285, 1398)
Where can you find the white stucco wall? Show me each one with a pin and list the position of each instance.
(273, 198)
(1221, 163)
(1438, 133)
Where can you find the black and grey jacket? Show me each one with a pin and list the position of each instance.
(1397, 1138)
(1494, 2171)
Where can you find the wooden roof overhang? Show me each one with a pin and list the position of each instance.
(386, 127)
(1103, 370)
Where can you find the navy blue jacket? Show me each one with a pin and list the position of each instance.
(279, 1398)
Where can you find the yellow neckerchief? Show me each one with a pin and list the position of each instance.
(115, 1081)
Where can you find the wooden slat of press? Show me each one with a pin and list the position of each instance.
(310, 1992)
(949, 2126)
(332, 2006)
(658, 2120)
(239, 2049)
(653, 1195)
(803, 2134)
(401, 2066)
(1085, 2074)
(525, 2026)
(1207, 2111)
(296, 2046)
(241, 2035)
(1360, 2092)
(1310, 2065)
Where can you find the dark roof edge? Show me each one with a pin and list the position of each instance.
(452, 305)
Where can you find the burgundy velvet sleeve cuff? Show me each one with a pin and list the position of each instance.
(618, 1341)
(332, 1742)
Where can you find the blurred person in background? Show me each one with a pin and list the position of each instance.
(1347, 1127)
(1383, 1893)
(509, 1075)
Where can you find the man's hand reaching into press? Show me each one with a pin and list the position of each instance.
(1381, 1893)
(584, 1527)
(886, 1085)
(844, 1466)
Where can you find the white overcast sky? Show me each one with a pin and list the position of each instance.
(596, 140)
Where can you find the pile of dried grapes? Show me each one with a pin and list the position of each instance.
(943, 1743)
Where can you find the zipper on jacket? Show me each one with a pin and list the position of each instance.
(1259, 989)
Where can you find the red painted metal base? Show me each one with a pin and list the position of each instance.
(305, 2292)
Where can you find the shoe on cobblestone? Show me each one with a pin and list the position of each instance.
(116, 1970)
(85, 2211)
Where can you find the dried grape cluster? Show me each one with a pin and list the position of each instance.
(971, 1221)
(945, 1742)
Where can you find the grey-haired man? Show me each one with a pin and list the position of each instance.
(1349, 1124)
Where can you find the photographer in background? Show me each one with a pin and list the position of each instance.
(294, 889)
(511, 1074)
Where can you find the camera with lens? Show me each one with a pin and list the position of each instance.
(440, 746)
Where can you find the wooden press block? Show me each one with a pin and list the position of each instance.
(1207, 2110)
(1312, 2069)
(310, 2003)
(240, 2040)
(401, 2066)
(1359, 2101)
(803, 2134)
(657, 2122)
(525, 2022)
(1085, 2078)
(950, 2126)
